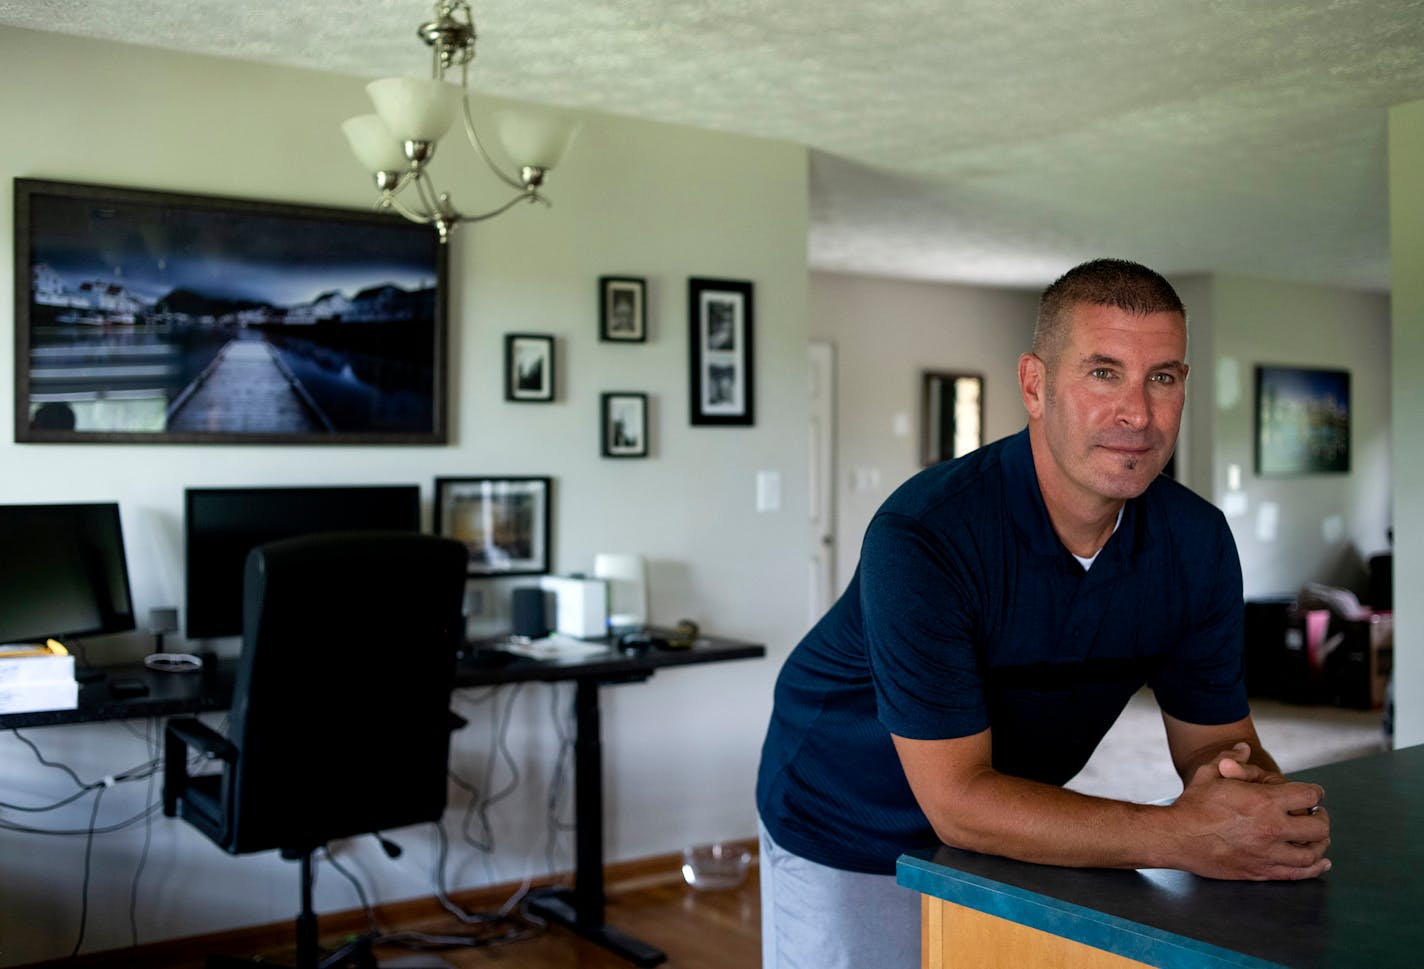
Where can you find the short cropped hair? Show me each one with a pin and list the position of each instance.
(1103, 282)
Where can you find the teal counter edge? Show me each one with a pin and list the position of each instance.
(1154, 947)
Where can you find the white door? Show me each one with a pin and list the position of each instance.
(822, 359)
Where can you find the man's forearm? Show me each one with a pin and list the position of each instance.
(1000, 814)
(1219, 828)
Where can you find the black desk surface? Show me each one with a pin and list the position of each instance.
(169, 694)
(1368, 910)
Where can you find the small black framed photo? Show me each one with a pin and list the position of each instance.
(721, 317)
(504, 522)
(528, 367)
(622, 309)
(625, 425)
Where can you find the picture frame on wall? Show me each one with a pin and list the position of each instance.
(722, 385)
(529, 368)
(147, 317)
(624, 424)
(622, 309)
(1302, 420)
(504, 522)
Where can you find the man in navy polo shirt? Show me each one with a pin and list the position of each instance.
(1006, 607)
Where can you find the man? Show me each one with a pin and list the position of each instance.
(1006, 606)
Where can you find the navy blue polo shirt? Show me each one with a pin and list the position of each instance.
(966, 612)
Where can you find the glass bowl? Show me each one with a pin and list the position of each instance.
(715, 866)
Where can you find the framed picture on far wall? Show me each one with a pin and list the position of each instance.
(164, 318)
(622, 309)
(625, 425)
(504, 522)
(1302, 420)
(528, 367)
(723, 381)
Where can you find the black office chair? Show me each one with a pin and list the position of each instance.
(340, 720)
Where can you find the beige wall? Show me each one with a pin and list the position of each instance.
(634, 198)
(1406, 210)
(1291, 530)
(885, 333)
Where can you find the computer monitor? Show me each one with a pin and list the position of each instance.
(62, 572)
(221, 525)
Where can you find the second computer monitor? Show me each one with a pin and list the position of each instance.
(221, 525)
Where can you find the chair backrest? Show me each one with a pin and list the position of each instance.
(340, 710)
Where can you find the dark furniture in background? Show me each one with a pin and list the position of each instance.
(348, 660)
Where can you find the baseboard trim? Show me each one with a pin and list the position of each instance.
(618, 877)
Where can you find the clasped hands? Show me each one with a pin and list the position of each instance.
(1242, 821)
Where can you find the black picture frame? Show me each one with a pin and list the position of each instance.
(722, 385)
(529, 368)
(135, 310)
(1302, 420)
(951, 415)
(624, 424)
(503, 521)
(622, 309)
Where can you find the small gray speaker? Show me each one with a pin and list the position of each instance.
(530, 608)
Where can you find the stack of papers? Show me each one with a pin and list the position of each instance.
(38, 677)
(554, 647)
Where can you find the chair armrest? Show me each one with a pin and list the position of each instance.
(179, 735)
(191, 732)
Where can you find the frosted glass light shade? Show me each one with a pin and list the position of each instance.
(373, 144)
(538, 139)
(415, 109)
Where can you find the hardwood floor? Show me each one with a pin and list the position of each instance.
(646, 899)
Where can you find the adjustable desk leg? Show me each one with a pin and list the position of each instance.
(582, 910)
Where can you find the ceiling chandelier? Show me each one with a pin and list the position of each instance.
(412, 114)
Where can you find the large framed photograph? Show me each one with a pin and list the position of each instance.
(622, 309)
(625, 425)
(1302, 420)
(723, 380)
(504, 522)
(154, 317)
(528, 367)
(951, 415)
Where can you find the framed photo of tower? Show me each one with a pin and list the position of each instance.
(622, 309)
(529, 367)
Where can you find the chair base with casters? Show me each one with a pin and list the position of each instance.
(347, 665)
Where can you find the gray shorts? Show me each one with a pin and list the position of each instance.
(815, 917)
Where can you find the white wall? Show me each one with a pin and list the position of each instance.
(885, 333)
(1406, 242)
(633, 198)
(1291, 530)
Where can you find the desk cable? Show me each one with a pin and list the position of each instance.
(145, 771)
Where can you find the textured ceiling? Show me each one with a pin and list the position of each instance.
(965, 140)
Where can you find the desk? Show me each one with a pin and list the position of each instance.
(1365, 912)
(581, 909)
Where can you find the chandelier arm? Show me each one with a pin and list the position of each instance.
(388, 200)
(473, 135)
(521, 197)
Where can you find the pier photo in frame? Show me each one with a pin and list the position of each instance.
(154, 317)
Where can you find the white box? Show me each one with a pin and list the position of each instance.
(580, 605)
(40, 695)
(35, 669)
